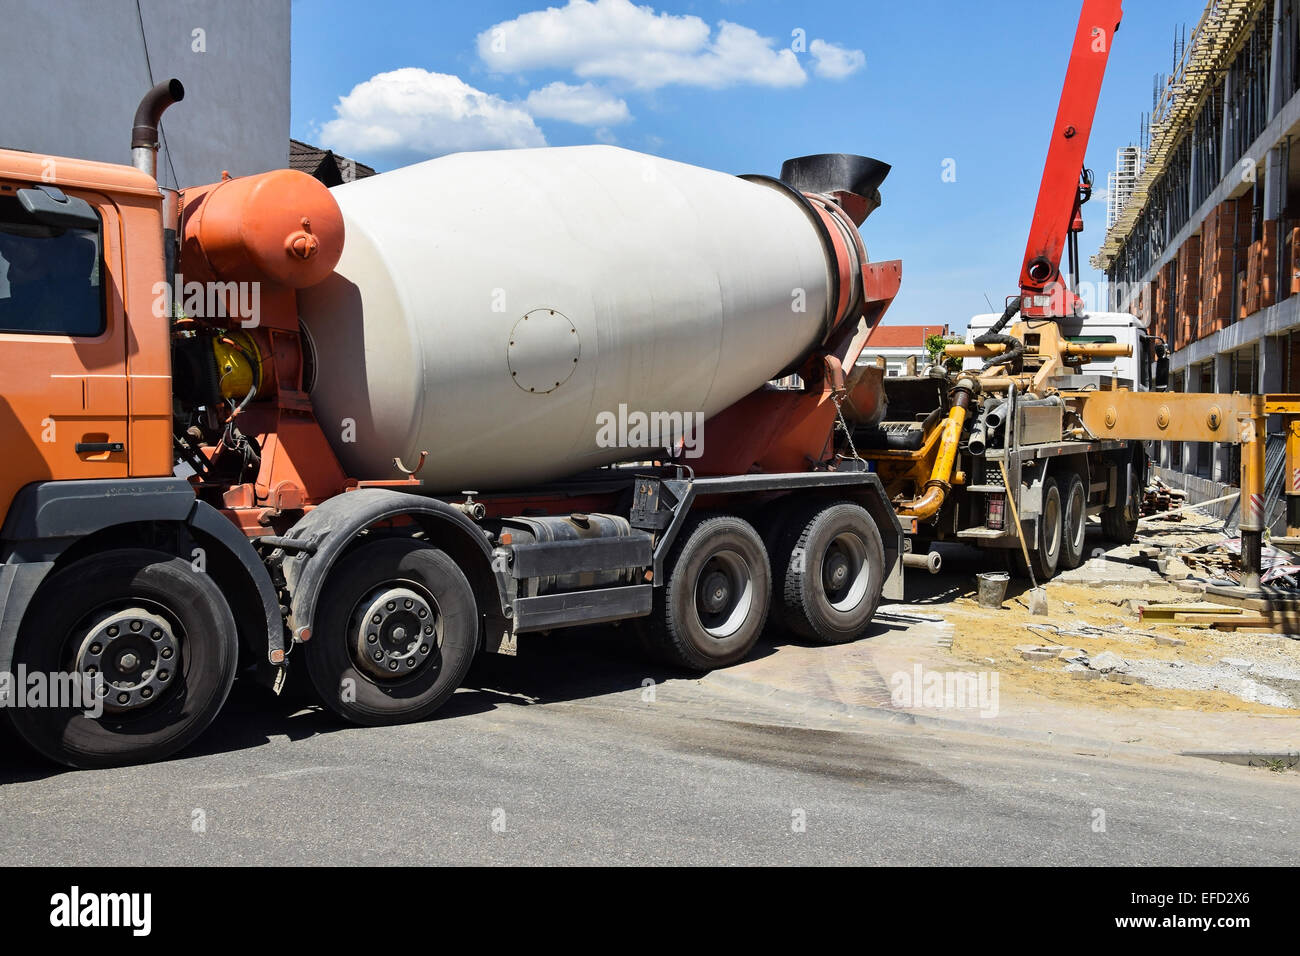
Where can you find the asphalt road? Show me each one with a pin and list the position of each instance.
(559, 757)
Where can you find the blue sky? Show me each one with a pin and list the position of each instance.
(733, 86)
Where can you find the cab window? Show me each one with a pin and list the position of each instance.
(50, 276)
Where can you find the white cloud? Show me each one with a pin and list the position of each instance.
(616, 39)
(834, 62)
(586, 105)
(411, 114)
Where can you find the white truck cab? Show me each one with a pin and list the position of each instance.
(1132, 371)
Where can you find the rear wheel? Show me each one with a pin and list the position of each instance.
(1045, 549)
(829, 572)
(1120, 523)
(395, 635)
(150, 636)
(712, 606)
(1074, 522)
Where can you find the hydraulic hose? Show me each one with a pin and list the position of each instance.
(936, 489)
(1015, 348)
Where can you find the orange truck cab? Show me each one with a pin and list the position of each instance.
(92, 510)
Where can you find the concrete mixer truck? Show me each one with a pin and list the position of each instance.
(378, 430)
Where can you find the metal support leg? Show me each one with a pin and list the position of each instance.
(1253, 435)
(1293, 478)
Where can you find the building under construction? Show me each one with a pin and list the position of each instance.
(1203, 235)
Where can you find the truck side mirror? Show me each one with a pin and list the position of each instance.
(51, 206)
(1161, 383)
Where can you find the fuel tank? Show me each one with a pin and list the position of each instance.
(497, 309)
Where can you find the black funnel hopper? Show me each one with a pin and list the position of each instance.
(838, 172)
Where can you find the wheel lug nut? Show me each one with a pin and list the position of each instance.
(371, 638)
(136, 626)
(428, 629)
(123, 698)
(392, 665)
(376, 619)
(163, 675)
(408, 604)
(378, 655)
(96, 648)
(146, 693)
(424, 648)
(113, 631)
(156, 634)
(423, 613)
(391, 605)
(166, 653)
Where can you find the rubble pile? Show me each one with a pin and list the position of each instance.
(1159, 497)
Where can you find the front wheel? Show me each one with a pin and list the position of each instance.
(144, 632)
(395, 635)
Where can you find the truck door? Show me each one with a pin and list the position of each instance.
(63, 386)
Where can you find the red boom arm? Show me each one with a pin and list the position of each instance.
(1065, 186)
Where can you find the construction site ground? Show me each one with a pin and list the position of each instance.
(1089, 674)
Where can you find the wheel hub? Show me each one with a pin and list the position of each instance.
(716, 591)
(395, 632)
(836, 571)
(133, 654)
(845, 572)
(723, 594)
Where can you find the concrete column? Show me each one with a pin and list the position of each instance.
(1191, 383)
(1271, 364)
(1274, 180)
(1275, 63)
(1225, 164)
(1220, 469)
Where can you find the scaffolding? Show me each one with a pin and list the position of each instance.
(1120, 183)
(1180, 112)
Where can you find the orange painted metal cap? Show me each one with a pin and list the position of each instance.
(281, 226)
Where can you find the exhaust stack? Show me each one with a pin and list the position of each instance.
(144, 131)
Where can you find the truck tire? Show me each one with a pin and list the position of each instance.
(395, 633)
(828, 572)
(1045, 549)
(1120, 523)
(1117, 527)
(1074, 520)
(772, 523)
(1116, 524)
(159, 634)
(712, 605)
